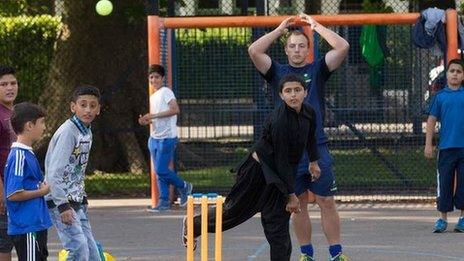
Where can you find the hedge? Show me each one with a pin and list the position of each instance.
(27, 44)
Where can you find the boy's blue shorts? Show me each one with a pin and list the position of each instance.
(325, 185)
(450, 161)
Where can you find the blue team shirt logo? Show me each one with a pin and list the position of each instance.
(306, 78)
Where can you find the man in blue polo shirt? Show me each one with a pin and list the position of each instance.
(297, 48)
(447, 107)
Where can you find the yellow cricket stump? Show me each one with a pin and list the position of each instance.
(204, 201)
(218, 235)
(204, 228)
(190, 228)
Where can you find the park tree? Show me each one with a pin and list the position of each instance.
(108, 52)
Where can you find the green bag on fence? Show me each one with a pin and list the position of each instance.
(373, 53)
(370, 46)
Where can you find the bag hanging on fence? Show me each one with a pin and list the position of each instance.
(373, 53)
(370, 46)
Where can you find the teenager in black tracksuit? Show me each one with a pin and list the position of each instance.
(265, 178)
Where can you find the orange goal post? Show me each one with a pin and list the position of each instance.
(156, 24)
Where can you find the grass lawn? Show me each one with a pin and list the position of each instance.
(360, 168)
(355, 169)
(120, 184)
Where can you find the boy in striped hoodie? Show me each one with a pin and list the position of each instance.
(65, 164)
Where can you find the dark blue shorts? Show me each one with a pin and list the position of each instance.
(450, 161)
(6, 245)
(325, 185)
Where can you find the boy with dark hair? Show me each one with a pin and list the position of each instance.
(28, 218)
(266, 177)
(156, 68)
(65, 163)
(447, 108)
(163, 139)
(8, 93)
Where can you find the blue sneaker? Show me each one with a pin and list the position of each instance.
(460, 225)
(184, 193)
(162, 207)
(440, 226)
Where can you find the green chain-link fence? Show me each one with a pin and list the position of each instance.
(374, 115)
(374, 119)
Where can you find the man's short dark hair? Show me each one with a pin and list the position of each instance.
(291, 78)
(156, 68)
(23, 113)
(456, 61)
(86, 90)
(4, 70)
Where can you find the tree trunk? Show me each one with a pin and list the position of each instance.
(108, 52)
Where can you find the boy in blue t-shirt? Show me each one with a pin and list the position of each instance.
(28, 218)
(447, 107)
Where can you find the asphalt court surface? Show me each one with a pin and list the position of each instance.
(369, 232)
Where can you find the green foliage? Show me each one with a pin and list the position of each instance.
(128, 184)
(398, 62)
(222, 50)
(216, 177)
(26, 43)
(357, 168)
(121, 184)
(226, 35)
(134, 13)
(12, 7)
(361, 169)
(164, 3)
(376, 6)
(23, 7)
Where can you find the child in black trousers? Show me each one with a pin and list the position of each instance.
(265, 178)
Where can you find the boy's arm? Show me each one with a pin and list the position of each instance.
(311, 148)
(22, 195)
(173, 110)
(334, 57)
(55, 168)
(14, 177)
(293, 204)
(429, 132)
(257, 50)
(311, 143)
(2, 199)
(2, 190)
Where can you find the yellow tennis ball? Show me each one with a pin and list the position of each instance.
(62, 255)
(108, 257)
(104, 7)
